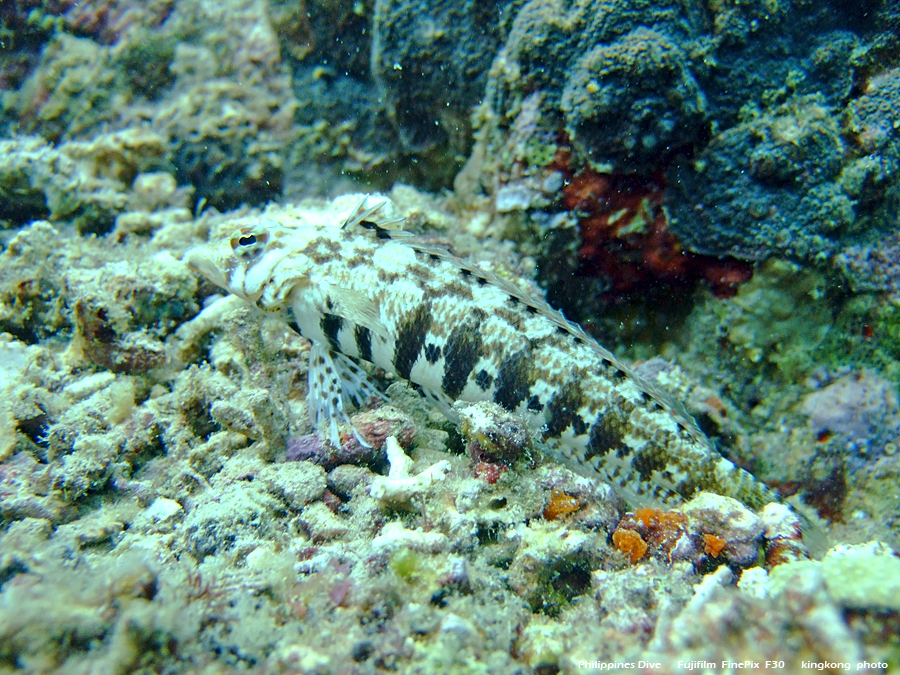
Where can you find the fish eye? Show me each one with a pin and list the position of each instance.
(247, 240)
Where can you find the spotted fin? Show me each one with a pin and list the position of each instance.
(356, 385)
(442, 402)
(335, 382)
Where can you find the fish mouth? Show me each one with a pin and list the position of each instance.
(200, 262)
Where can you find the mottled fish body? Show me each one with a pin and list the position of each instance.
(361, 290)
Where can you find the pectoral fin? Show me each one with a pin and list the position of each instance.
(334, 383)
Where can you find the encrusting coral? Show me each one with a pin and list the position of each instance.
(710, 183)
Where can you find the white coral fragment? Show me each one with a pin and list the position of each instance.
(394, 536)
(163, 509)
(399, 485)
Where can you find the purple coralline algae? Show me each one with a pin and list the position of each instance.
(860, 408)
(374, 427)
(873, 267)
(163, 504)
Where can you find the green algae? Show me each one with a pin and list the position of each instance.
(148, 522)
(781, 316)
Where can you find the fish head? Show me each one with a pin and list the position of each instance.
(259, 262)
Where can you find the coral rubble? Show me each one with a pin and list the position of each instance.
(711, 188)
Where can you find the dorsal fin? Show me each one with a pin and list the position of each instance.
(374, 220)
